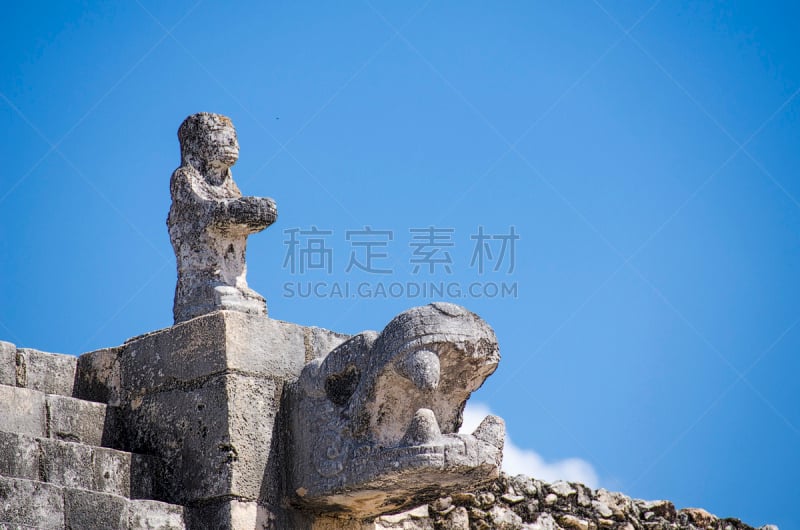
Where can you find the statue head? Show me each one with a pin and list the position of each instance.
(208, 142)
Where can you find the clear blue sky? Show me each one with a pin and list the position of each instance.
(646, 154)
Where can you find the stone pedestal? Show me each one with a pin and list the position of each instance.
(205, 397)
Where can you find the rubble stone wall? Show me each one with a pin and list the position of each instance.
(524, 503)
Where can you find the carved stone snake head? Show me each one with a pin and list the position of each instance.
(374, 424)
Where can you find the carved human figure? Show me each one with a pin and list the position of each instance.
(209, 221)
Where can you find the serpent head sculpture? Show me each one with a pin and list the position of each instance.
(374, 424)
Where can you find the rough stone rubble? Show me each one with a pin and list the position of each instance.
(524, 503)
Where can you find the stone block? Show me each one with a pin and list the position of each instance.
(147, 480)
(22, 411)
(253, 407)
(66, 464)
(19, 456)
(181, 353)
(89, 509)
(8, 364)
(227, 514)
(265, 347)
(75, 420)
(51, 373)
(154, 515)
(214, 440)
(97, 376)
(188, 430)
(31, 504)
(322, 341)
(211, 344)
(112, 471)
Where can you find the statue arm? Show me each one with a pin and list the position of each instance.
(252, 213)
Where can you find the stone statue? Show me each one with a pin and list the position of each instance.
(209, 222)
(374, 424)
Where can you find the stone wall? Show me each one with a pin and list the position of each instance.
(524, 503)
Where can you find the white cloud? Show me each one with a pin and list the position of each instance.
(517, 460)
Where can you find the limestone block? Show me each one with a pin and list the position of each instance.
(8, 364)
(154, 515)
(208, 345)
(31, 504)
(111, 471)
(22, 411)
(188, 430)
(225, 514)
(214, 440)
(97, 376)
(75, 420)
(90, 509)
(322, 341)
(181, 353)
(19, 456)
(252, 410)
(66, 464)
(263, 346)
(146, 471)
(51, 373)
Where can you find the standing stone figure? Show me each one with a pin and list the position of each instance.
(209, 222)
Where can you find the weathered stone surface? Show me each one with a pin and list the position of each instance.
(213, 440)
(416, 519)
(320, 342)
(8, 363)
(154, 515)
(252, 410)
(146, 471)
(231, 514)
(604, 510)
(31, 504)
(52, 373)
(75, 420)
(66, 464)
(187, 428)
(89, 509)
(22, 411)
(374, 423)
(97, 376)
(209, 222)
(19, 456)
(209, 345)
(111, 471)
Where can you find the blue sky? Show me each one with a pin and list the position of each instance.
(645, 153)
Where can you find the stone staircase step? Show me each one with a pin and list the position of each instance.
(51, 373)
(93, 376)
(34, 504)
(75, 465)
(32, 412)
(30, 503)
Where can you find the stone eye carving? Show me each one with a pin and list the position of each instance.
(378, 417)
(422, 368)
(339, 387)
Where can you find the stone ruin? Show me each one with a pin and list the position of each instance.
(232, 420)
